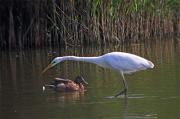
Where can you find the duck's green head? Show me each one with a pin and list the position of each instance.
(80, 79)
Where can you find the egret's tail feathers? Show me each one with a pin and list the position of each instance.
(151, 65)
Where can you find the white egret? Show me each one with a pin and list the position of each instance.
(122, 62)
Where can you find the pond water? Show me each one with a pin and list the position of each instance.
(153, 94)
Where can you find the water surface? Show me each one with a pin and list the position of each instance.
(153, 94)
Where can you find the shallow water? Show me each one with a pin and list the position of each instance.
(153, 94)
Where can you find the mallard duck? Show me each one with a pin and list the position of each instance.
(63, 85)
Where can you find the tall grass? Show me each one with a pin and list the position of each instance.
(64, 23)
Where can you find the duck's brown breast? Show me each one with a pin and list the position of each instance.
(71, 86)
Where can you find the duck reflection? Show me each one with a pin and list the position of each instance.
(69, 96)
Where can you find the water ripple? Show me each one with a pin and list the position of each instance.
(142, 116)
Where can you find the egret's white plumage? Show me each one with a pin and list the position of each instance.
(119, 61)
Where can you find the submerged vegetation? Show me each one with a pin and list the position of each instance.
(59, 23)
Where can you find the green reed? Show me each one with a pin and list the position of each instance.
(69, 23)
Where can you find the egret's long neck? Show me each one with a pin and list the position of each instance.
(94, 60)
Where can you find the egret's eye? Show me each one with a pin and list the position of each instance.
(53, 62)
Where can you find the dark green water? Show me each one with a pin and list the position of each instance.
(153, 94)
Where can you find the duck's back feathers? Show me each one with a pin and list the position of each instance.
(60, 80)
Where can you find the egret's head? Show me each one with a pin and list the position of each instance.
(53, 63)
(56, 61)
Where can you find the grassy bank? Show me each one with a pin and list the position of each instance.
(62, 23)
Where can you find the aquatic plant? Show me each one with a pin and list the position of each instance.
(63, 23)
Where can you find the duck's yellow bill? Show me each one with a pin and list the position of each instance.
(47, 68)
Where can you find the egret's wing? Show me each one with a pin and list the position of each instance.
(125, 63)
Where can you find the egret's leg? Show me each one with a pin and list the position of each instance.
(125, 87)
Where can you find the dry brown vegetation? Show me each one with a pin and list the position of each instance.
(62, 23)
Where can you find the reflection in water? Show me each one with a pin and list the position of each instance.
(64, 97)
(127, 115)
(152, 94)
(142, 116)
